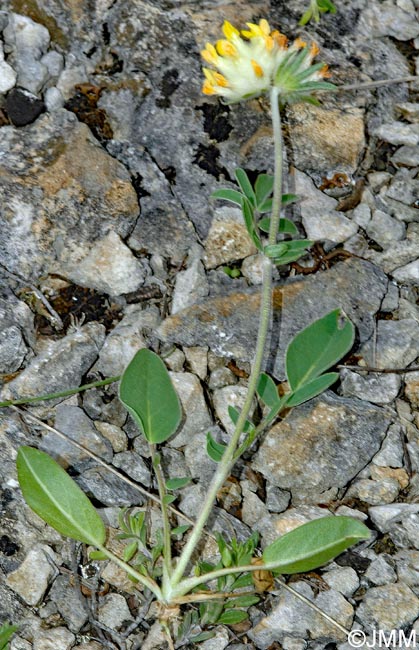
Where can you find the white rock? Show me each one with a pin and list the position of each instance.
(109, 266)
(252, 269)
(197, 358)
(229, 396)
(7, 77)
(31, 579)
(391, 453)
(361, 214)
(191, 286)
(380, 572)
(54, 62)
(22, 33)
(228, 239)
(53, 99)
(384, 516)
(31, 74)
(69, 78)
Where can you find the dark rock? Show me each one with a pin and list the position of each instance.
(23, 107)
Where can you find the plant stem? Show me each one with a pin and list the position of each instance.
(228, 459)
(167, 551)
(63, 393)
(144, 580)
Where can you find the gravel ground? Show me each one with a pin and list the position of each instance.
(109, 243)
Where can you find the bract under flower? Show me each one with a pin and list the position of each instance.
(249, 63)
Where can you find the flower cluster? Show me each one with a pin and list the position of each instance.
(249, 63)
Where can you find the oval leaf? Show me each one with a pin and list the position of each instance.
(228, 195)
(313, 544)
(57, 499)
(318, 347)
(263, 188)
(147, 392)
(267, 390)
(232, 617)
(177, 483)
(313, 388)
(245, 185)
(215, 450)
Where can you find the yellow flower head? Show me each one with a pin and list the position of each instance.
(249, 63)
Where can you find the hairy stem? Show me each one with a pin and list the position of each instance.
(228, 459)
(167, 551)
(62, 393)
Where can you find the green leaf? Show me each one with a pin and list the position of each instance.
(234, 414)
(98, 556)
(244, 601)
(203, 636)
(275, 250)
(169, 498)
(305, 18)
(267, 390)
(147, 392)
(228, 195)
(285, 226)
(215, 450)
(289, 198)
(244, 580)
(6, 633)
(130, 551)
(318, 347)
(249, 220)
(313, 388)
(177, 483)
(245, 185)
(57, 499)
(263, 188)
(180, 530)
(232, 617)
(313, 544)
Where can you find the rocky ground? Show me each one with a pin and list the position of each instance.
(109, 243)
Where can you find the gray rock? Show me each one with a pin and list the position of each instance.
(175, 360)
(375, 388)
(130, 335)
(58, 638)
(72, 421)
(374, 611)
(384, 229)
(385, 516)
(318, 211)
(407, 273)
(24, 34)
(114, 434)
(54, 162)
(227, 323)
(61, 365)
(7, 73)
(398, 133)
(32, 578)
(401, 253)
(199, 464)
(16, 332)
(396, 344)
(388, 19)
(343, 579)
(313, 437)
(228, 239)
(403, 188)
(221, 377)
(53, 99)
(375, 492)
(54, 62)
(133, 465)
(407, 155)
(391, 452)
(290, 616)
(31, 74)
(68, 603)
(191, 286)
(228, 396)
(114, 611)
(197, 358)
(13, 349)
(380, 571)
(108, 488)
(219, 641)
(196, 415)
(252, 269)
(362, 214)
(163, 227)
(277, 500)
(173, 463)
(407, 564)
